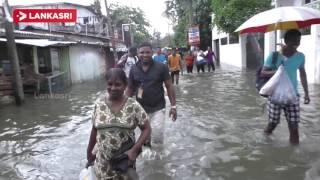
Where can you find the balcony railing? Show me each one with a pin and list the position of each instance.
(81, 29)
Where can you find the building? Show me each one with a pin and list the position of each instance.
(88, 57)
(248, 50)
(65, 53)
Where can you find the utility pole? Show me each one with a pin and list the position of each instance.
(190, 20)
(111, 32)
(13, 55)
(190, 13)
(131, 34)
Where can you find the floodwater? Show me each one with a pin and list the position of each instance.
(218, 135)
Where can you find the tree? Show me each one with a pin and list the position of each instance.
(96, 7)
(128, 15)
(230, 14)
(156, 38)
(185, 13)
(166, 41)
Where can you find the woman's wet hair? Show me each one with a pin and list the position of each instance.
(292, 33)
(116, 73)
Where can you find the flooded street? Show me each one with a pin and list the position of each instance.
(218, 135)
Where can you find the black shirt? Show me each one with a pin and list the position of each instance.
(152, 84)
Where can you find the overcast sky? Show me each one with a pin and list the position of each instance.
(153, 10)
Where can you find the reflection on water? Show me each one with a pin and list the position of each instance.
(218, 135)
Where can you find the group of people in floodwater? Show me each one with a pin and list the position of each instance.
(176, 58)
(113, 148)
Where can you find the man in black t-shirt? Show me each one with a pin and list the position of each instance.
(146, 79)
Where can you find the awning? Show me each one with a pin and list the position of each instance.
(40, 42)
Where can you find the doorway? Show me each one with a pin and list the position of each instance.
(255, 50)
(217, 51)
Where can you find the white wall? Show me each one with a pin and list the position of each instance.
(309, 45)
(308, 48)
(86, 63)
(316, 30)
(231, 54)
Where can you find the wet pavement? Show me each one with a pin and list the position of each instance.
(218, 134)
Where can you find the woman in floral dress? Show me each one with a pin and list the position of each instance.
(115, 118)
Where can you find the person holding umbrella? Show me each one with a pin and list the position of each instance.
(293, 60)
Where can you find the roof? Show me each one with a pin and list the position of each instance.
(32, 34)
(40, 42)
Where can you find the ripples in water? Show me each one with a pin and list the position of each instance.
(218, 135)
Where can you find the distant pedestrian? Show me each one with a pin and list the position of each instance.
(210, 57)
(168, 53)
(189, 61)
(175, 65)
(160, 57)
(200, 61)
(128, 60)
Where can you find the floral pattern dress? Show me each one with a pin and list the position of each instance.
(113, 129)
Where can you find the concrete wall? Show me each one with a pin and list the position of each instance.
(86, 63)
(229, 53)
(310, 47)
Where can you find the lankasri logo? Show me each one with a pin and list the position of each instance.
(22, 16)
(44, 15)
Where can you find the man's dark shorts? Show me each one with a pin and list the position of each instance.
(175, 72)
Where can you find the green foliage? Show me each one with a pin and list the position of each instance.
(230, 14)
(128, 15)
(166, 41)
(185, 13)
(180, 37)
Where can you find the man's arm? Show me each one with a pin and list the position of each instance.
(268, 68)
(130, 87)
(92, 141)
(266, 72)
(122, 61)
(172, 98)
(304, 82)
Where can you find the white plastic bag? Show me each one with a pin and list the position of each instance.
(87, 174)
(269, 87)
(284, 92)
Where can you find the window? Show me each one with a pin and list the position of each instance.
(307, 1)
(224, 41)
(85, 20)
(306, 31)
(233, 38)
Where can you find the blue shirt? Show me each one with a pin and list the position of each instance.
(291, 65)
(160, 58)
